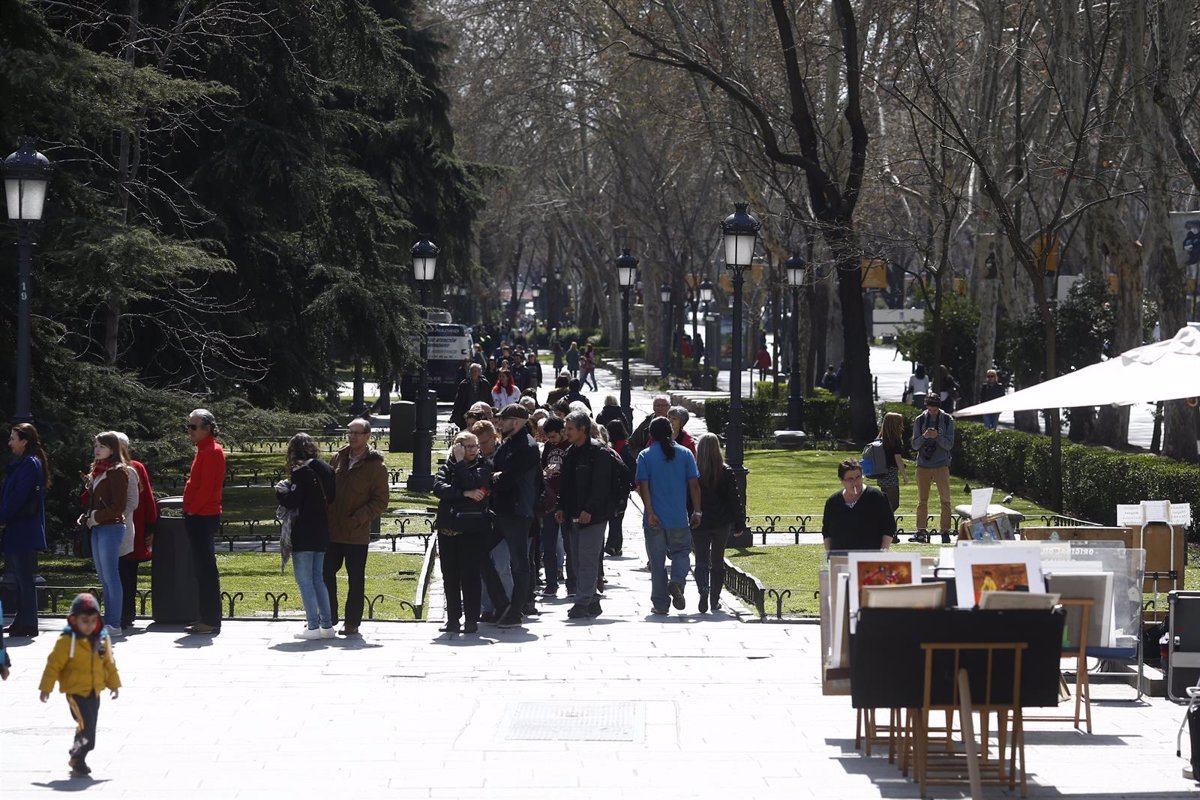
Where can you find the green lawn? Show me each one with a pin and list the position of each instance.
(393, 575)
(797, 482)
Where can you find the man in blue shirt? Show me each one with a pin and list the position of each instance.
(667, 475)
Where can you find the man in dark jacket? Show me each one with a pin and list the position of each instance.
(857, 517)
(585, 504)
(574, 393)
(470, 392)
(514, 485)
(641, 435)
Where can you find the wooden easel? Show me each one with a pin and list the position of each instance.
(1083, 689)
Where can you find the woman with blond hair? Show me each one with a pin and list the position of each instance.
(106, 494)
(891, 433)
(724, 511)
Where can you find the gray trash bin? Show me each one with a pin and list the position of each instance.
(173, 574)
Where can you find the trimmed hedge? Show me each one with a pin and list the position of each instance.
(825, 416)
(1094, 480)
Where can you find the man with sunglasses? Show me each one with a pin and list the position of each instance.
(202, 517)
(361, 496)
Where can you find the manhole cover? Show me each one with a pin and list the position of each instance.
(581, 721)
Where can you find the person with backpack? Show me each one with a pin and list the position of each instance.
(586, 502)
(892, 470)
(933, 439)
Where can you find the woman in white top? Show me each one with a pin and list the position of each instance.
(505, 391)
(918, 387)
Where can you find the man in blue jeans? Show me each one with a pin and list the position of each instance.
(666, 476)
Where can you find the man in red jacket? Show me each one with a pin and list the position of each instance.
(202, 517)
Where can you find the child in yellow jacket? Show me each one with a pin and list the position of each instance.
(82, 664)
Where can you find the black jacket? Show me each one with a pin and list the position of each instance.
(609, 413)
(518, 465)
(587, 482)
(571, 397)
(722, 505)
(313, 487)
(467, 396)
(455, 511)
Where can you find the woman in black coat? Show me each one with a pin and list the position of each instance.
(463, 524)
(308, 493)
(724, 510)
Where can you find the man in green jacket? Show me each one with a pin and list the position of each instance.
(361, 481)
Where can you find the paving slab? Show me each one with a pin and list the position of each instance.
(691, 706)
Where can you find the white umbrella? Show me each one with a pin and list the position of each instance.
(1166, 370)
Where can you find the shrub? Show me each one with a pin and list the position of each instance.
(823, 416)
(772, 390)
(1094, 480)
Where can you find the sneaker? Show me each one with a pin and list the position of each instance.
(349, 630)
(594, 609)
(610, 550)
(510, 619)
(530, 610)
(328, 633)
(716, 604)
(703, 604)
(676, 591)
(945, 537)
(488, 616)
(550, 591)
(79, 767)
(113, 631)
(308, 634)
(451, 626)
(920, 537)
(471, 627)
(578, 612)
(659, 611)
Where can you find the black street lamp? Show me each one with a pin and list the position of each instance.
(536, 291)
(664, 294)
(794, 267)
(424, 256)
(26, 175)
(626, 277)
(740, 231)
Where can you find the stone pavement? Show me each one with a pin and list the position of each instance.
(624, 706)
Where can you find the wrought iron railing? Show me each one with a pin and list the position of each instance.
(746, 586)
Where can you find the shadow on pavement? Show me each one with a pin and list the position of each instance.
(71, 784)
(195, 641)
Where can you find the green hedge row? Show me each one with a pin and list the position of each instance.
(825, 416)
(1094, 480)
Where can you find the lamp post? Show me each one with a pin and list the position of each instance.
(536, 291)
(740, 232)
(626, 277)
(794, 267)
(711, 319)
(706, 298)
(26, 175)
(664, 294)
(424, 256)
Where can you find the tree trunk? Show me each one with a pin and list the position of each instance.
(1170, 280)
(987, 294)
(856, 368)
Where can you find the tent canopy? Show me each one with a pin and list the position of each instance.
(1166, 370)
